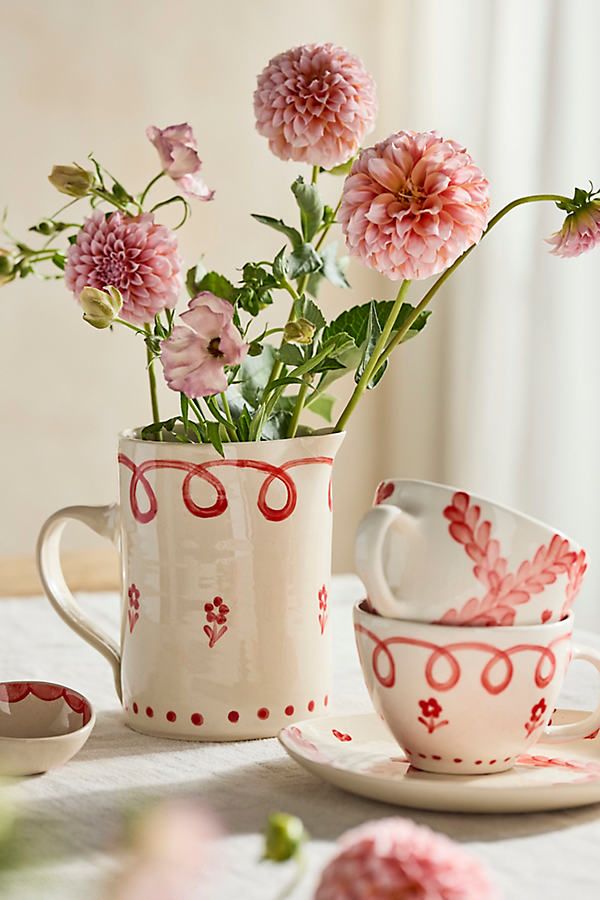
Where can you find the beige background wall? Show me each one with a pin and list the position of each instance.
(500, 393)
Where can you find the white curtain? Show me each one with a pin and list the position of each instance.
(500, 394)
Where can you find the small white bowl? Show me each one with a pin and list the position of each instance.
(42, 725)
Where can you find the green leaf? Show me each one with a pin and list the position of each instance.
(342, 169)
(322, 405)
(311, 207)
(276, 427)
(185, 406)
(292, 234)
(334, 268)
(213, 431)
(72, 239)
(303, 261)
(193, 278)
(305, 308)
(120, 194)
(253, 375)
(279, 266)
(244, 424)
(373, 335)
(355, 321)
(59, 261)
(291, 355)
(255, 292)
(217, 285)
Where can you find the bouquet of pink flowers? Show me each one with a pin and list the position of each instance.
(411, 206)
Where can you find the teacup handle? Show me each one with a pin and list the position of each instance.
(554, 734)
(370, 540)
(104, 520)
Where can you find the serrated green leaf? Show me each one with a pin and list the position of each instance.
(303, 261)
(253, 375)
(305, 308)
(193, 278)
(218, 285)
(311, 207)
(290, 355)
(292, 234)
(334, 268)
(368, 346)
(355, 321)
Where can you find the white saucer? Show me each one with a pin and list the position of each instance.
(357, 753)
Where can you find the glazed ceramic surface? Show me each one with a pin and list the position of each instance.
(226, 568)
(42, 725)
(468, 701)
(430, 553)
(358, 754)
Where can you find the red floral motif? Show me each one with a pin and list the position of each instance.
(536, 717)
(15, 691)
(384, 490)
(505, 590)
(576, 572)
(384, 666)
(203, 471)
(216, 617)
(590, 768)
(133, 612)
(323, 616)
(430, 711)
(341, 736)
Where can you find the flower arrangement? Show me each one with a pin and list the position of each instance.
(411, 207)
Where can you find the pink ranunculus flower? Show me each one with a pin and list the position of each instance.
(133, 254)
(413, 204)
(394, 859)
(195, 354)
(178, 152)
(580, 231)
(315, 104)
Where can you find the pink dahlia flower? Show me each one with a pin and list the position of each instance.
(195, 354)
(412, 204)
(394, 859)
(134, 255)
(580, 231)
(178, 153)
(315, 104)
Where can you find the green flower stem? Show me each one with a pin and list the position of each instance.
(129, 325)
(152, 379)
(315, 175)
(229, 426)
(226, 408)
(105, 195)
(407, 324)
(176, 199)
(319, 243)
(372, 365)
(301, 400)
(148, 187)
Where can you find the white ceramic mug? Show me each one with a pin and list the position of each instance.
(225, 565)
(429, 553)
(468, 702)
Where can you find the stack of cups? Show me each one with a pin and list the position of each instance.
(466, 633)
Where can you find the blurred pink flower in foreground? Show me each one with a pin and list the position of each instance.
(580, 231)
(413, 204)
(169, 855)
(134, 255)
(394, 859)
(195, 354)
(315, 103)
(178, 152)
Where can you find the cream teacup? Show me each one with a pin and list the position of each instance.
(429, 553)
(468, 702)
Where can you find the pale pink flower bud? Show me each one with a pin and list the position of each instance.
(580, 231)
(195, 355)
(178, 154)
(100, 308)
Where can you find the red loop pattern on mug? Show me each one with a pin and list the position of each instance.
(386, 676)
(202, 471)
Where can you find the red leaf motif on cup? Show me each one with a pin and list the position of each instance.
(504, 590)
(536, 717)
(323, 616)
(384, 491)
(216, 619)
(133, 610)
(430, 713)
(341, 736)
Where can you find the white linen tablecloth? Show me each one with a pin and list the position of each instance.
(71, 817)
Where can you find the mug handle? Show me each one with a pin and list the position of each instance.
(554, 734)
(104, 520)
(368, 551)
